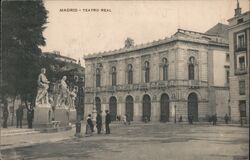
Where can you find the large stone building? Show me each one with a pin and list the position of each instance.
(162, 80)
(239, 31)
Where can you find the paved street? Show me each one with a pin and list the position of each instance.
(140, 142)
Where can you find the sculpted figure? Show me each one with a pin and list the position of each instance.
(73, 95)
(43, 86)
(129, 42)
(63, 93)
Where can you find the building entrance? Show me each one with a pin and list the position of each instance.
(146, 109)
(164, 108)
(193, 106)
(130, 107)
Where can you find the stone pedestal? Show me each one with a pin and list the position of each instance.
(62, 115)
(65, 115)
(72, 116)
(42, 116)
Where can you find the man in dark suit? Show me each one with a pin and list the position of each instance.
(99, 122)
(19, 116)
(30, 116)
(107, 122)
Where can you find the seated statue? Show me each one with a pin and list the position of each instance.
(43, 86)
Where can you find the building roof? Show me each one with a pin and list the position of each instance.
(57, 55)
(219, 30)
(180, 35)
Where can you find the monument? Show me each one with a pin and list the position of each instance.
(55, 106)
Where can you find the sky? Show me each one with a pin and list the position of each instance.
(80, 32)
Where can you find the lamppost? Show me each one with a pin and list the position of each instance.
(174, 113)
(80, 102)
(96, 66)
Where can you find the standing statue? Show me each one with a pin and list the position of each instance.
(73, 95)
(43, 86)
(63, 93)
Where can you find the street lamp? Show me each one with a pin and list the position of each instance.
(80, 99)
(96, 66)
(174, 113)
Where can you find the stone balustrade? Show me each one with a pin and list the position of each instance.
(150, 85)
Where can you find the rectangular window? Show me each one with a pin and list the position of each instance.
(227, 57)
(242, 89)
(130, 77)
(242, 62)
(242, 105)
(114, 79)
(239, 21)
(147, 75)
(241, 43)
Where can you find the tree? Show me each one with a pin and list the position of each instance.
(22, 27)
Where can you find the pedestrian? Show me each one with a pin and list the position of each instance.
(99, 122)
(190, 119)
(146, 119)
(226, 118)
(5, 114)
(241, 121)
(30, 116)
(210, 119)
(89, 126)
(180, 119)
(214, 119)
(107, 122)
(19, 116)
(125, 119)
(128, 119)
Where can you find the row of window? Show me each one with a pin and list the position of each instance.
(240, 51)
(165, 68)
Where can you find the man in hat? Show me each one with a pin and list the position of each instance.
(30, 116)
(99, 122)
(19, 116)
(107, 122)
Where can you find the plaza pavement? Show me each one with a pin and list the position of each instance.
(151, 141)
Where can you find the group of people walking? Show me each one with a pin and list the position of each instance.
(90, 124)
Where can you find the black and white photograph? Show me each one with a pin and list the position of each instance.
(124, 80)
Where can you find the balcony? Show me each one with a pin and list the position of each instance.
(240, 48)
(239, 71)
(111, 88)
(151, 85)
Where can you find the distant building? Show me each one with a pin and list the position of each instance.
(239, 31)
(57, 56)
(66, 67)
(186, 74)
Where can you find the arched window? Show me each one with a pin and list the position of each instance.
(165, 69)
(98, 77)
(147, 69)
(113, 76)
(191, 68)
(130, 74)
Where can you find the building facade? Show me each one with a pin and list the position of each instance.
(186, 74)
(239, 31)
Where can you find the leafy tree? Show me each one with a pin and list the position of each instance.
(22, 27)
